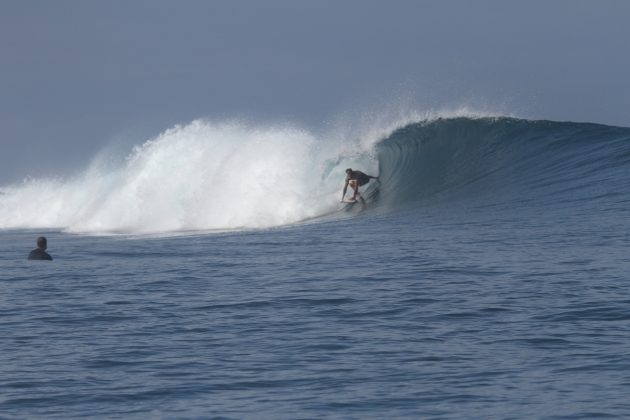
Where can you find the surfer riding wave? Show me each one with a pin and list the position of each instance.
(356, 179)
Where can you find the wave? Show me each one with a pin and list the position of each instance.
(504, 160)
(231, 175)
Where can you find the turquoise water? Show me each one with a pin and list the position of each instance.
(489, 278)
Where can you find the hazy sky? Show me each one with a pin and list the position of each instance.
(77, 74)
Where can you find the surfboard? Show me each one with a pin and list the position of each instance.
(349, 201)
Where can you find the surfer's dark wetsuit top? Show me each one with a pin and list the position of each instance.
(39, 254)
(359, 176)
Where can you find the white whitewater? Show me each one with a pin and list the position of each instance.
(199, 176)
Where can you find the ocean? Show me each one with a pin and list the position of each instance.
(212, 272)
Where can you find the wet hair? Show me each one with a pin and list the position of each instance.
(42, 242)
(348, 170)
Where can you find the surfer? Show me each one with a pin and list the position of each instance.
(356, 179)
(40, 253)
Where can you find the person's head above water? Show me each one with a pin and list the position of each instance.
(42, 242)
(40, 253)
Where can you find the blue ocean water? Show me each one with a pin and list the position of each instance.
(489, 277)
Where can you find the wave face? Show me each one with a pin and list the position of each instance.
(506, 161)
(206, 176)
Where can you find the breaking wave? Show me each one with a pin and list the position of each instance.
(231, 175)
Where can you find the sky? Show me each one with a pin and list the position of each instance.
(77, 75)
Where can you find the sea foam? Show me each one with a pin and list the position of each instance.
(199, 176)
